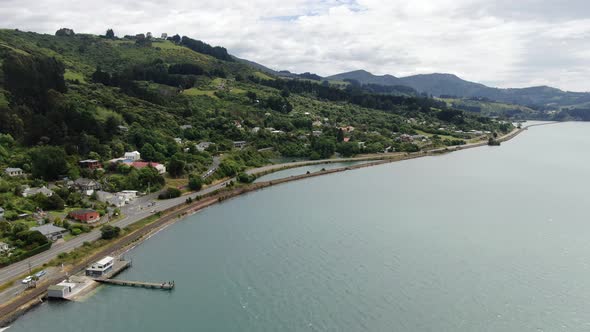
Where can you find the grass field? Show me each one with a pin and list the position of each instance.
(262, 76)
(70, 75)
(199, 92)
(167, 45)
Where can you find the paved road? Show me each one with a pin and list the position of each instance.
(214, 166)
(133, 213)
(139, 210)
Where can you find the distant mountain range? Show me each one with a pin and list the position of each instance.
(451, 85)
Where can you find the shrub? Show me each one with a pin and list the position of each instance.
(171, 192)
(110, 232)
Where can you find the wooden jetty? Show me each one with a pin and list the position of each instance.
(169, 285)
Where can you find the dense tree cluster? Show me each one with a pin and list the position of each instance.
(201, 47)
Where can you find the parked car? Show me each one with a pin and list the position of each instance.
(27, 280)
(40, 274)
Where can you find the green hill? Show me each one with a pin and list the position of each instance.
(97, 97)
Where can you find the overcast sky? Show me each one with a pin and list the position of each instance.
(505, 43)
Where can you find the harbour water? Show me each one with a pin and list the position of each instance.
(486, 239)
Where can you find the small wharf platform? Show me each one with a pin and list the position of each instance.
(168, 285)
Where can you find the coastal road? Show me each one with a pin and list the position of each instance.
(134, 212)
(139, 209)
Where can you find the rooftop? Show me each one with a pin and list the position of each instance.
(48, 229)
(105, 260)
(82, 211)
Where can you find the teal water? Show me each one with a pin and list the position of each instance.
(487, 239)
(304, 169)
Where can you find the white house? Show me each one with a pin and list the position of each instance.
(10, 171)
(178, 140)
(128, 194)
(4, 247)
(316, 133)
(61, 290)
(1, 214)
(133, 155)
(160, 168)
(101, 267)
(204, 146)
(29, 192)
(239, 144)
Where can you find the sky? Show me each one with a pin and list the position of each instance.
(502, 43)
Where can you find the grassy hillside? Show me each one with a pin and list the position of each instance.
(492, 108)
(73, 97)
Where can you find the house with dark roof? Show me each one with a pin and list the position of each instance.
(12, 171)
(87, 186)
(90, 164)
(50, 231)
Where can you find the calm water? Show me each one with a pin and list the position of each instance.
(304, 169)
(488, 239)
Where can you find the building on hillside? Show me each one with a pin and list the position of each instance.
(184, 127)
(361, 145)
(178, 140)
(133, 155)
(110, 198)
(255, 130)
(1, 213)
(100, 268)
(164, 35)
(346, 139)
(4, 247)
(85, 215)
(316, 133)
(239, 144)
(12, 171)
(50, 231)
(86, 186)
(347, 129)
(141, 164)
(317, 123)
(202, 146)
(277, 132)
(123, 129)
(90, 164)
(30, 192)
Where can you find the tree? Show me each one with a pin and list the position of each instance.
(176, 38)
(109, 232)
(175, 167)
(171, 192)
(148, 152)
(49, 162)
(195, 182)
(340, 135)
(110, 34)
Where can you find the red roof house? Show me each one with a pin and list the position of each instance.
(87, 216)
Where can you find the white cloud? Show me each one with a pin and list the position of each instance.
(504, 43)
